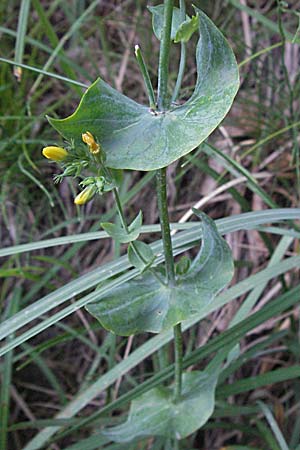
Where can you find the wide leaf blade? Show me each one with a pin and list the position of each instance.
(155, 413)
(144, 304)
(134, 137)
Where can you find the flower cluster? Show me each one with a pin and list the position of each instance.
(80, 160)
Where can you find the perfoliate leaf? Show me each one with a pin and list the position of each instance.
(140, 255)
(144, 304)
(118, 233)
(134, 137)
(155, 413)
(187, 29)
(183, 266)
(158, 20)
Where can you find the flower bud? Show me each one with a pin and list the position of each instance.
(89, 139)
(55, 153)
(86, 195)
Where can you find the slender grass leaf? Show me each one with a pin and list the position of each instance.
(21, 33)
(230, 337)
(47, 303)
(274, 426)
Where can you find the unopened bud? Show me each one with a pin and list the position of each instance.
(55, 153)
(86, 195)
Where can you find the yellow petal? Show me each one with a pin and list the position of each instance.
(86, 195)
(55, 153)
(89, 139)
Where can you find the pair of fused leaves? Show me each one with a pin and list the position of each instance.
(134, 137)
(145, 304)
(156, 414)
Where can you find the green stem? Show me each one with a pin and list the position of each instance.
(161, 187)
(182, 57)
(146, 76)
(163, 65)
(165, 225)
(120, 209)
(178, 361)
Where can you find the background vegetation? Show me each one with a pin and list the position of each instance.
(250, 163)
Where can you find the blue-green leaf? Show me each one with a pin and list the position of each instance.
(183, 265)
(155, 413)
(158, 20)
(135, 137)
(118, 233)
(144, 304)
(140, 255)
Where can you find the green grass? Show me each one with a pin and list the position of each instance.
(55, 360)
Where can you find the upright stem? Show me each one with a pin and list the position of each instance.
(182, 57)
(178, 361)
(163, 103)
(170, 273)
(163, 65)
(161, 187)
(120, 209)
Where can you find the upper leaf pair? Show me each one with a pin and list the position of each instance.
(135, 137)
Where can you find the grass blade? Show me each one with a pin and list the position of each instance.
(6, 376)
(114, 268)
(20, 41)
(273, 424)
(230, 337)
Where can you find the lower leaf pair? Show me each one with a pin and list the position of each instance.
(145, 304)
(156, 414)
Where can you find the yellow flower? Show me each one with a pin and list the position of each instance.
(89, 139)
(86, 195)
(55, 153)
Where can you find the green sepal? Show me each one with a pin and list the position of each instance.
(118, 233)
(144, 304)
(187, 29)
(147, 256)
